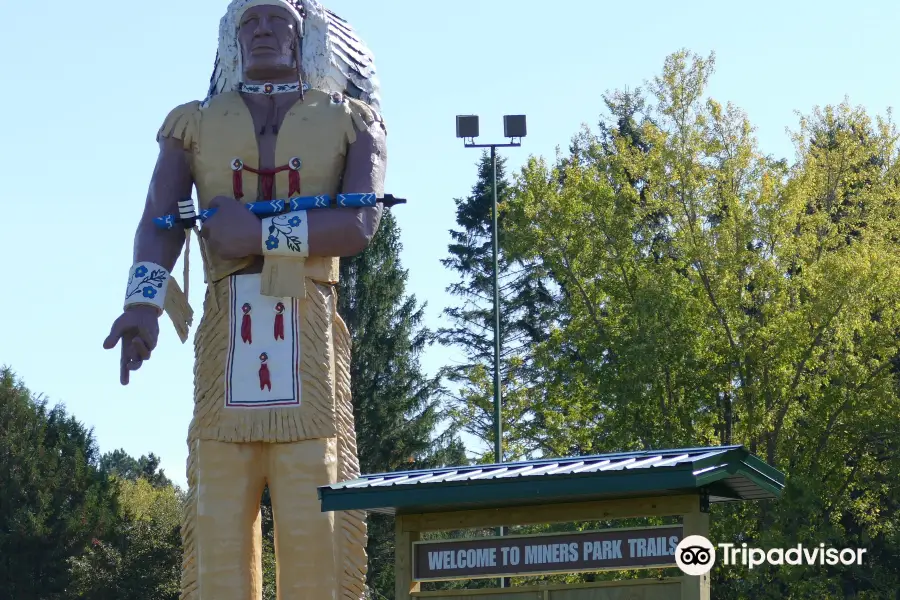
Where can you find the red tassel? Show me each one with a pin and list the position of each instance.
(279, 321)
(293, 183)
(237, 183)
(246, 331)
(264, 379)
(279, 327)
(268, 186)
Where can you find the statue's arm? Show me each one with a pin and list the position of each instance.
(348, 231)
(137, 326)
(171, 181)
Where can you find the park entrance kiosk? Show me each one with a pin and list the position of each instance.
(680, 483)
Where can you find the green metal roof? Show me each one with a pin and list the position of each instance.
(726, 473)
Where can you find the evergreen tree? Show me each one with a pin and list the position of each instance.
(396, 406)
(526, 309)
(124, 466)
(53, 496)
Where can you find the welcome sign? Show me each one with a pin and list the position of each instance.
(544, 554)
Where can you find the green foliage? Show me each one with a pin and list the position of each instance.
(53, 498)
(269, 571)
(124, 466)
(139, 558)
(711, 294)
(526, 306)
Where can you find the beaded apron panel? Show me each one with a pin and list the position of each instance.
(263, 368)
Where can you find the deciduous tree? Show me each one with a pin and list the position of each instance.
(714, 295)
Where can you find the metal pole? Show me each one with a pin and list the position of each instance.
(498, 427)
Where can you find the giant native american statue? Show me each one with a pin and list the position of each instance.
(290, 131)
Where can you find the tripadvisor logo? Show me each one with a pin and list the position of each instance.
(797, 555)
(695, 555)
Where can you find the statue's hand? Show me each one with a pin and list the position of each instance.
(138, 328)
(233, 232)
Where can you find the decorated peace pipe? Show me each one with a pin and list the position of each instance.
(186, 216)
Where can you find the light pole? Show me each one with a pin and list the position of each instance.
(513, 129)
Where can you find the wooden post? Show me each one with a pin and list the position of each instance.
(696, 522)
(403, 540)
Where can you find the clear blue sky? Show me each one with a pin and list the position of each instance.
(89, 84)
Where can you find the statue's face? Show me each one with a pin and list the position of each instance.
(268, 36)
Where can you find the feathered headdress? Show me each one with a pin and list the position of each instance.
(333, 58)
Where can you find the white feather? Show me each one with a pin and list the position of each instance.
(333, 57)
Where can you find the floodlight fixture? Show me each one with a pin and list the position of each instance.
(514, 126)
(467, 126)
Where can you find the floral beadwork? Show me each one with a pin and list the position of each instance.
(283, 227)
(145, 282)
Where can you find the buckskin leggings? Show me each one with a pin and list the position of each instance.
(231, 479)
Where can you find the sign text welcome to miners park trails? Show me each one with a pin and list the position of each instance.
(546, 553)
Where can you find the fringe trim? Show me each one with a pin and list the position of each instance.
(350, 526)
(182, 123)
(189, 577)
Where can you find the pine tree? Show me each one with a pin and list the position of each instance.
(396, 406)
(124, 466)
(526, 309)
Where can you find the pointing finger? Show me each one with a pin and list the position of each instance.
(123, 367)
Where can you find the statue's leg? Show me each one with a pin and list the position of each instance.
(304, 535)
(230, 481)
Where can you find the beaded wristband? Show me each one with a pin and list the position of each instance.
(147, 284)
(286, 235)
